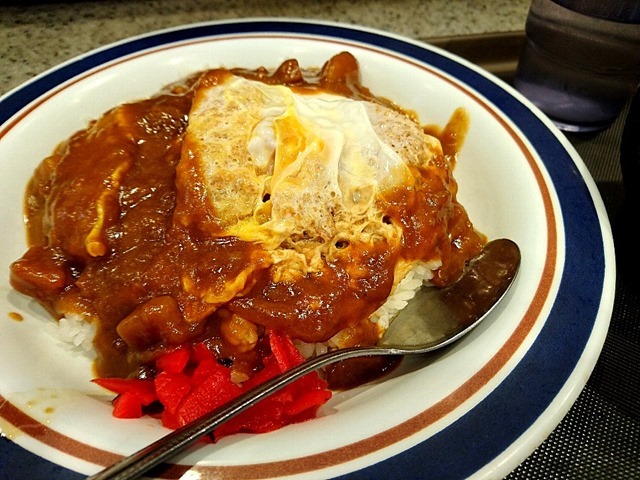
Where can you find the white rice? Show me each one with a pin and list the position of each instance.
(76, 331)
(418, 275)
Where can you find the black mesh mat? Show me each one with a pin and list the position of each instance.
(600, 436)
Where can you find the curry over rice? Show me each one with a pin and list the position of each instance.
(238, 201)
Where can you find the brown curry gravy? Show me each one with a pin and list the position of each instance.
(104, 241)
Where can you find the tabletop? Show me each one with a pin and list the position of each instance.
(600, 435)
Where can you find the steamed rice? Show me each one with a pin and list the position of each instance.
(76, 331)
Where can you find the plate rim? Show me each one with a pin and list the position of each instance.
(587, 366)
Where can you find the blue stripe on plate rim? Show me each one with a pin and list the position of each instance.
(520, 400)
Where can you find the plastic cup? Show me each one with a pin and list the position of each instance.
(581, 60)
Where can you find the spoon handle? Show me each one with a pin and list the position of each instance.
(501, 259)
(137, 464)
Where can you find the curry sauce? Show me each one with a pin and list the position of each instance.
(105, 241)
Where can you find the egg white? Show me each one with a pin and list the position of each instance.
(297, 171)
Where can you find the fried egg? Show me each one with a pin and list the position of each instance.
(297, 170)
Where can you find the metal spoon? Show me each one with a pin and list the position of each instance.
(432, 319)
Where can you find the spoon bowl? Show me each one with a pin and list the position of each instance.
(432, 319)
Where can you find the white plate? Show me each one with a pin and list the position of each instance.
(478, 408)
